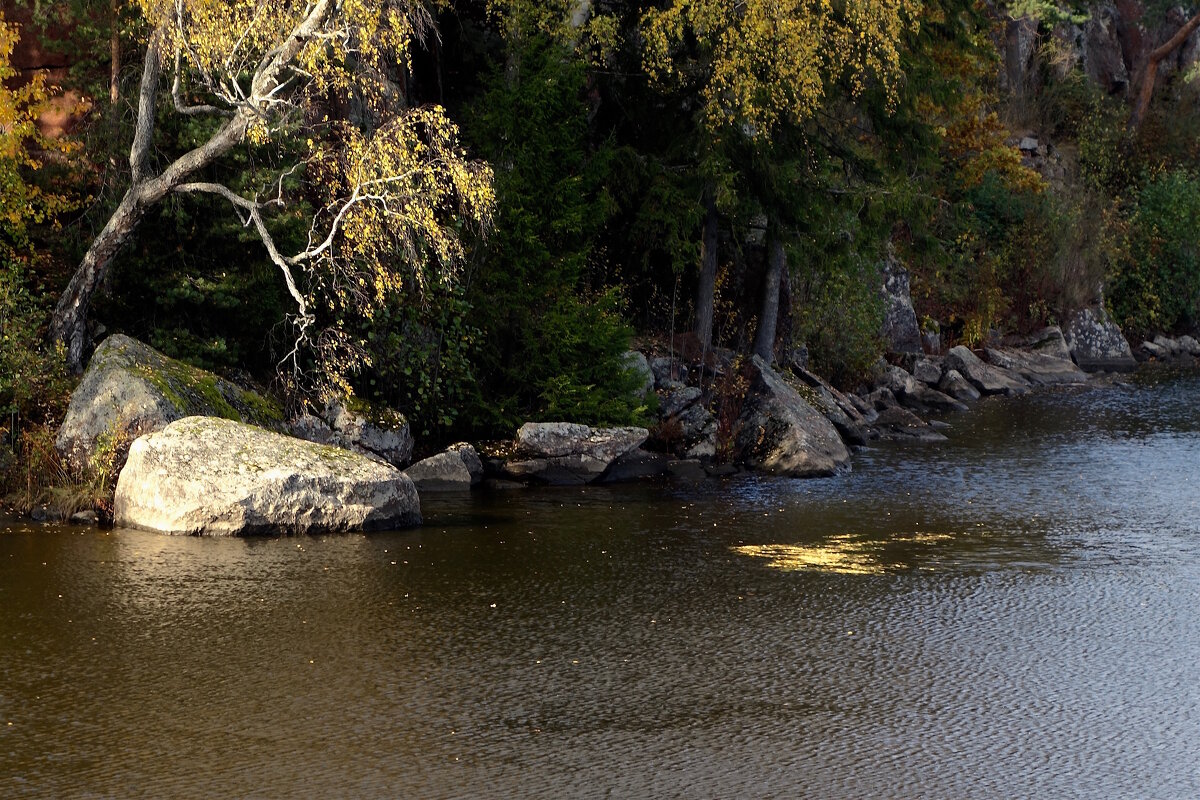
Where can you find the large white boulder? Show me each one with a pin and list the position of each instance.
(216, 477)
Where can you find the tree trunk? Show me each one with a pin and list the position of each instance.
(768, 317)
(114, 43)
(1150, 73)
(706, 289)
(68, 325)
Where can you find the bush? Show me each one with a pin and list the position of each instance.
(1155, 281)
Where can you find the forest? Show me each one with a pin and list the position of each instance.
(469, 212)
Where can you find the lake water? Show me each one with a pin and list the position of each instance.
(1012, 614)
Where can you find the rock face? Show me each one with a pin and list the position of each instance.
(457, 469)
(564, 453)
(132, 388)
(216, 477)
(986, 378)
(1037, 368)
(901, 334)
(1096, 343)
(779, 432)
(382, 435)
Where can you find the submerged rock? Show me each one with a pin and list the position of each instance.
(216, 477)
(131, 389)
(781, 433)
(901, 424)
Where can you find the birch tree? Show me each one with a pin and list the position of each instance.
(265, 71)
(757, 66)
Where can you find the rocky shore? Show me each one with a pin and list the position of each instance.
(208, 457)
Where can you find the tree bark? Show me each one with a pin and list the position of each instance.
(114, 43)
(706, 288)
(68, 324)
(1150, 73)
(768, 317)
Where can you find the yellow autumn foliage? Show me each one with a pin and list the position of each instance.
(759, 64)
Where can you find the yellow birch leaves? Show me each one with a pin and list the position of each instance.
(759, 64)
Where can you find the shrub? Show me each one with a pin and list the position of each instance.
(1155, 281)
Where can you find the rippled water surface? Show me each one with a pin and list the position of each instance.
(1012, 614)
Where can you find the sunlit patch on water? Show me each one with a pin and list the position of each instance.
(846, 553)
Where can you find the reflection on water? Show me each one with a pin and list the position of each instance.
(1011, 613)
(846, 553)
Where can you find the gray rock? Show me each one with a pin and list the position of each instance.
(849, 423)
(1170, 345)
(901, 334)
(84, 518)
(673, 401)
(456, 469)
(1189, 345)
(779, 432)
(636, 362)
(380, 432)
(1037, 368)
(667, 371)
(882, 398)
(1096, 343)
(132, 389)
(636, 465)
(958, 387)
(898, 424)
(1049, 342)
(987, 378)
(209, 476)
(915, 395)
(925, 399)
(928, 370)
(1156, 351)
(689, 469)
(564, 453)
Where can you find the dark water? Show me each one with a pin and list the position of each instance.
(1013, 614)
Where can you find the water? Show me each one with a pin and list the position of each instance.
(1010, 614)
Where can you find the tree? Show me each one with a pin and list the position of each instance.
(1150, 71)
(391, 184)
(755, 66)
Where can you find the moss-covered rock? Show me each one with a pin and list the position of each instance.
(132, 388)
